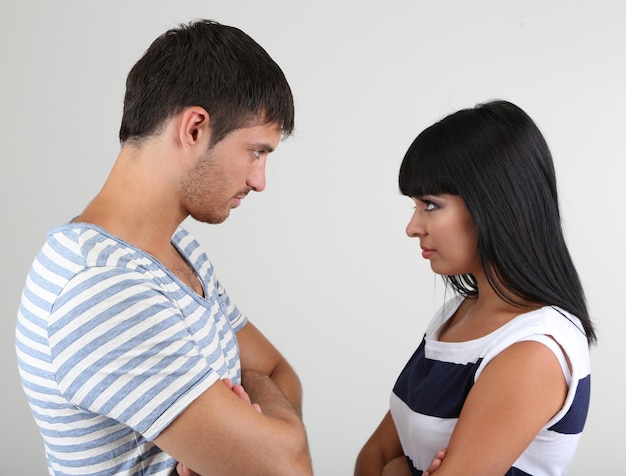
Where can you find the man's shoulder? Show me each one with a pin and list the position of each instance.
(76, 251)
(89, 244)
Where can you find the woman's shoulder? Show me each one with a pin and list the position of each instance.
(549, 320)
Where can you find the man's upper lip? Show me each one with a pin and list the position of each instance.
(426, 249)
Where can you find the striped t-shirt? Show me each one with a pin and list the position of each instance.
(429, 394)
(112, 346)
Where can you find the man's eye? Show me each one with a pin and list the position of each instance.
(257, 153)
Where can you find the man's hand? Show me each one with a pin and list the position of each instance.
(238, 390)
(436, 462)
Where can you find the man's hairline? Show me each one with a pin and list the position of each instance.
(258, 119)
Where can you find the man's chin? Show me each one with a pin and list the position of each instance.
(212, 219)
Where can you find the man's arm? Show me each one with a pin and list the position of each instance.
(220, 433)
(223, 431)
(256, 353)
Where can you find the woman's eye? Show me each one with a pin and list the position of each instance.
(430, 205)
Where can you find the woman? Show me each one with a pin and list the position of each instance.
(501, 377)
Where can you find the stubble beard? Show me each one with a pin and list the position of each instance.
(200, 187)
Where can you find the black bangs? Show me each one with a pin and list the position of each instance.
(494, 157)
(428, 166)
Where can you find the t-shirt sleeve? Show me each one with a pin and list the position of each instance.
(124, 351)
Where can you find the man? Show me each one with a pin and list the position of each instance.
(131, 354)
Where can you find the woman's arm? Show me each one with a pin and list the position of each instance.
(514, 397)
(381, 448)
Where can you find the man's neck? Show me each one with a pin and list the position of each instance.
(139, 202)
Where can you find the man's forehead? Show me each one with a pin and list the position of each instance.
(266, 134)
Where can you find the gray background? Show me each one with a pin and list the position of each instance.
(319, 261)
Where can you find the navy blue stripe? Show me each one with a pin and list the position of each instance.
(414, 472)
(516, 472)
(574, 420)
(510, 472)
(435, 388)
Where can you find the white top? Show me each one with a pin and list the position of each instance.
(430, 392)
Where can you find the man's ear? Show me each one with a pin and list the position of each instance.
(193, 128)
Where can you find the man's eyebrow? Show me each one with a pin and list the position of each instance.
(264, 146)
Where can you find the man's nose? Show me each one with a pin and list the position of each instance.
(256, 179)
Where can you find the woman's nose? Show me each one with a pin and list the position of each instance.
(415, 228)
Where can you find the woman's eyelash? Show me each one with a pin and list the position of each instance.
(429, 204)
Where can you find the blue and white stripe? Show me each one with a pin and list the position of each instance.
(111, 347)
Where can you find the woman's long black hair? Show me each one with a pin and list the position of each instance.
(495, 158)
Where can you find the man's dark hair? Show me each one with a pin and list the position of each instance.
(206, 64)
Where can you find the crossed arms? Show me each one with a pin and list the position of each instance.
(516, 395)
(220, 432)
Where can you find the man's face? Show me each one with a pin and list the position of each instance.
(228, 171)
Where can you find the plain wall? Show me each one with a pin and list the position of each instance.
(320, 261)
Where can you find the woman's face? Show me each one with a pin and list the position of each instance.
(447, 234)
